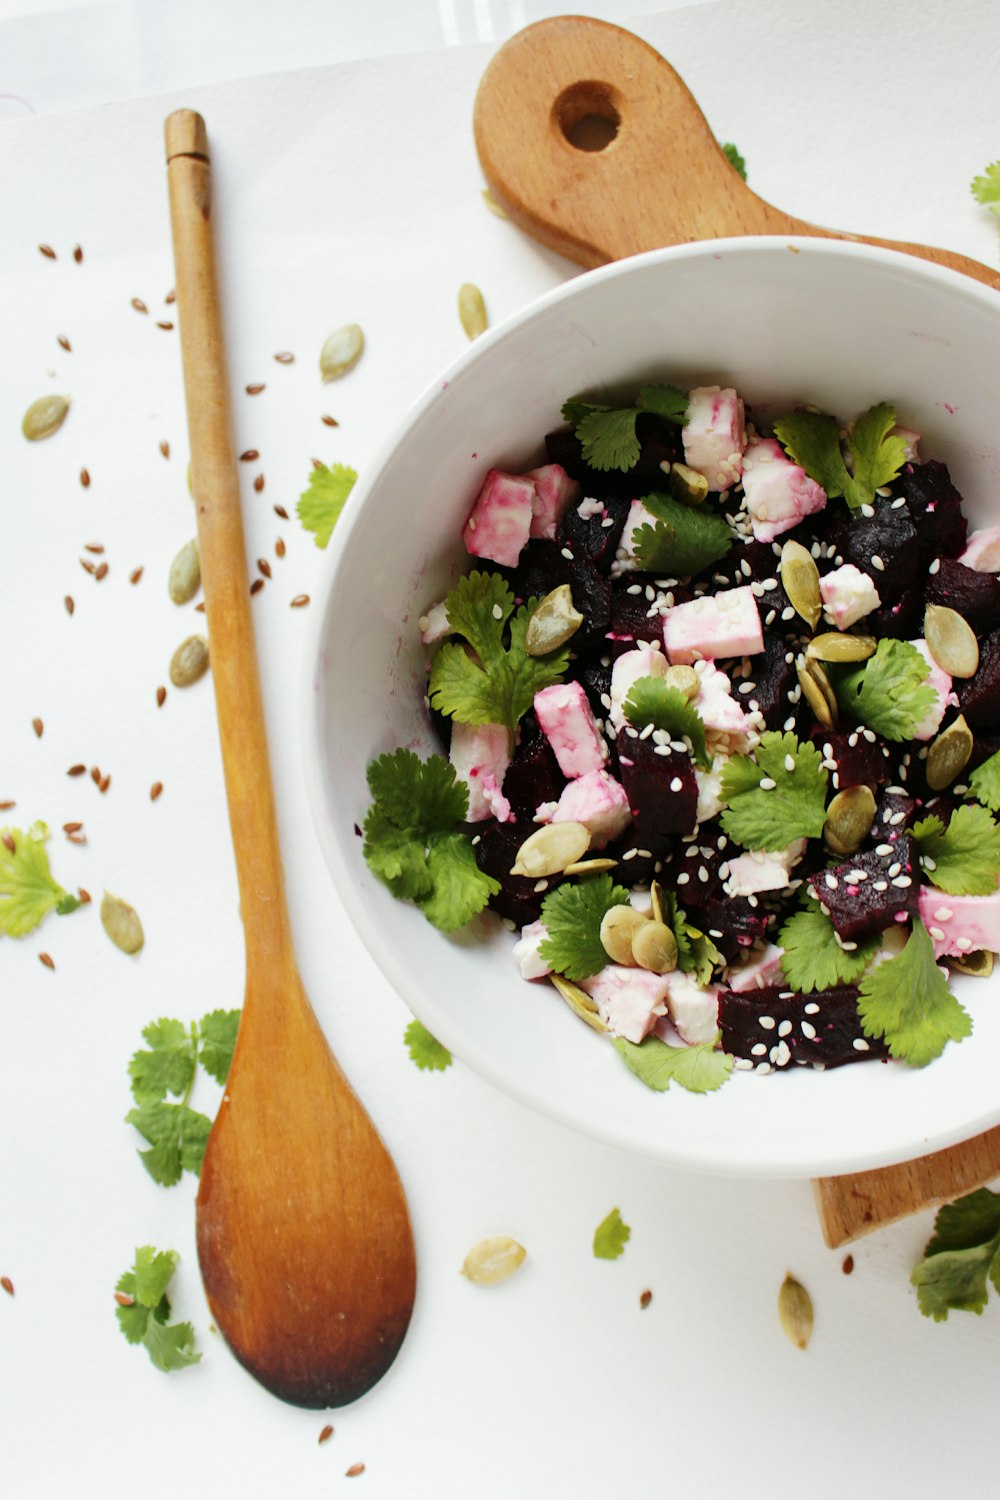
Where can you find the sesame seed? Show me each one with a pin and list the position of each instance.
(497, 612)
(789, 762)
(676, 784)
(935, 565)
(788, 613)
(634, 588)
(702, 874)
(937, 934)
(745, 568)
(860, 1045)
(743, 1063)
(880, 885)
(877, 562)
(567, 554)
(785, 1028)
(868, 511)
(963, 944)
(767, 783)
(767, 1023)
(895, 869)
(630, 854)
(812, 1009)
(759, 1049)
(902, 881)
(831, 882)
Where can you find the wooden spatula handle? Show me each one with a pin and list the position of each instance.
(222, 549)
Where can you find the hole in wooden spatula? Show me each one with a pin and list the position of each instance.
(588, 115)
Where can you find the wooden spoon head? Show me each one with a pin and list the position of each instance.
(303, 1232)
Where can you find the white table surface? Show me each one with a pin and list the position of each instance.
(336, 207)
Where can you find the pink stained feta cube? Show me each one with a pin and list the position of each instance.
(555, 492)
(495, 799)
(434, 625)
(763, 969)
(940, 681)
(480, 754)
(599, 802)
(625, 558)
(500, 521)
(694, 1012)
(628, 1000)
(911, 442)
(960, 924)
(567, 722)
(716, 706)
(644, 661)
(723, 624)
(778, 492)
(526, 954)
(982, 551)
(761, 870)
(848, 595)
(714, 435)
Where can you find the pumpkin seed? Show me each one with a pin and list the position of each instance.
(472, 310)
(654, 947)
(578, 1001)
(185, 574)
(189, 661)
(951, 641)
(121, 923)
(948, 755)
(687, 485)
(656, 898)
(341, 351)
(44, 417)
(493, 1260)
(618, 928)
(493, 204)
(551, 849)
(685, 680)
(979, 964)
(795, 1310)
(837, 647)
(800, 581)
(849, 820)
(553, 622)
(818, 693)
(589, 866)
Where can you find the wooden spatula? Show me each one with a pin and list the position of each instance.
(304, 1238)
(592, 143)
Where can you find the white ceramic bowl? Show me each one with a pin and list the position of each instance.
(837, 324)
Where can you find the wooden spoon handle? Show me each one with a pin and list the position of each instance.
(222, 549)
(661, 180)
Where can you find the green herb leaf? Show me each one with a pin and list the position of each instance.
(967, 1222)
(907, 1001)
(170, 1346)
(153, 1272)
(216, 1041)
(425, 1050)
(501, 687)
(699, 1069)
(734, 158)
(322, 501)
(794, 808)
(424, 796)
(177, 1135)
(984, 783)
(812, 440)
(878, 457)
(963, 1252)
(459, 888)
(697, 955)
(963, 859)
(651, 701)
(68, 904)
(572, 916)
(665, 401)
(608, 433)
(611, 1236)
(814, 960)
(685, 539)
(889, 692)
(168, 1067)
(28, 891)
(986, 189)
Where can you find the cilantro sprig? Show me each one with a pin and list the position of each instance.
(651, 701)
(611, 1236)
(697, 955)
(984, 783)
(572, 916)
(889, 692)
(176, 1133)
(986, 188)
(812, 957)
(684, 539)
(28, 889)
(699, 1069)
(608, 433)
(144, 1309)
(323, 499)
(907, 1001)
(500, 685)
(812, 440)
(964, 857)
(792, 805)
(412, 844)
(962, 1256)
(425, 1050)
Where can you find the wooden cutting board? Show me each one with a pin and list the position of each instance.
(591, 142)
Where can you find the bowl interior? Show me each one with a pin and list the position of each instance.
(840, 325)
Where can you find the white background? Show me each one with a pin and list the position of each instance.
(351, 193)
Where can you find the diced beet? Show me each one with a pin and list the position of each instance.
(595, 677)
(935, 507)
(697, 873)
(660, 441)
(496, 852)
(983, 746)
(640, 856)
(759, 558)
(630, 617)
(543, 568)
(775, 678)
(895, 813)
(979, 696)
(662, 791)
(858, 907)
(860, 761)
(975, 596)
(900, 621)
(533, 776)
(889, 535)
(591, 536)
(776, 1029)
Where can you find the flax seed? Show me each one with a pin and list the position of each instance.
(255, 390)
(279, 510)
(95, 775)
(327, 1432)
(155, 790)
(95, 547)
(102, 572)
(300, 601)
(161, 696)
(258, 483)
(279, 547)
(165, 326)
(47, 960)
(124, 1300)
(78, 253)
(330, 421)
(85, 478)
(88, 567)
(104, 783)
(354, 1471)
(284, 358)
(76, 770)
(72, 827)
(848, 1265)
(645, 1298)
(139, 305)
(70, 606)
(48, 252)
(134, 576)
(165, 448)
(249, 456)
(264, 566)
(7, 1285)
(38, 727)
(64, 343)
(6, 806)
(256, 586)
(83, 896)
(8, 843)
(170, 298)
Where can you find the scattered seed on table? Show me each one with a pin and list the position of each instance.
(44, 417)
(124, 1300)
(795, 1310)
(85, 478)
(155, 790)
(184, 577)
(284, 358)
(165, 326)
(104, 783)
(7, 805)
(161, 696)
(327, 1432)
(101, 572)
(64, 343)
(170, 297)
(317, 463)
(200, 608)
(646, 1298)
(83, 896)
(341, 351)
(38, 727)
(189, 662)
(121, 923)
(300, 601)
(255, 390)
(139, 305)
(47, 960)
(95, 775)
(264, 566)
(279, 510)
(76, 838)
(72, 827)
(165, 448)
(78, 253)
(8, 1287)
(70, 606)
(249, 456)
(256, 586)
(134, 576)
(330, 421)
(8, 843)
(88, 567)
(848, 1265)
(258, 483)
(76, 770)
(354, 1471)
(472, 310)
(279, 547)
(48, 252)
(96, 547)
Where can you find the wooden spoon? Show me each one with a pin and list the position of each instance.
(304, 1237)
(592, 144)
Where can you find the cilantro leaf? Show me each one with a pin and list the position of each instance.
(986, 189)
(665, 401)
(216, 1041)
(177, 1136)
(732, 155)
(967, 1222)
(684, 540)
(963, 859)
(501, 686)
(412, 845)
(169, 1065)
(323, 499)
(608, 433)
(426, 1051)
(572, 915)
(963, 1252)
(651, 701)
(611, 1236)
(814, 960)
(812, 440)
(793, 808)
(878, 457)
(696, 953)
(170, 1346)
(153, 1272)
(984, 783)
(907, 1001)
(889, 692)
(28, 891)
(699, 1069)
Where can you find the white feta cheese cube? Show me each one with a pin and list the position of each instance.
(960, 924)
(982, 550)
(526, 954)
(694, 1012)
(500, 521)
(480, 754)
(599, 802)
(763, 968)
(848, 595)
(723, 624)
(567, 722)
(940, 681)
(434, 625)
(778, 493)
(762, 870)
(714, 435)
(591, 507)
(710, 799)
(628, 1000)
(715, 702)
(644, 661)
(555, 492)
(495, 799)
(626, 560)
